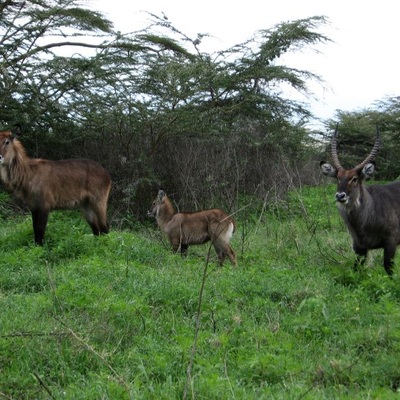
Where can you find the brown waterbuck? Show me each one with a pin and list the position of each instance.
(371, 213)
(45, 185)
(188, 228)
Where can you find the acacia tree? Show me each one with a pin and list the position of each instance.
(210, 109)
(357, 135)
(30, 32)
(151, 104)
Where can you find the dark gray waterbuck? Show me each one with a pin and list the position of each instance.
(371, 213)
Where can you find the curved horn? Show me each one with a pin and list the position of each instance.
(373, 153)
(334, 155)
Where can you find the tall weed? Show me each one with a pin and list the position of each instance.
(119, 316)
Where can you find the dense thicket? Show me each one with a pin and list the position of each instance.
(357, 134)
(154, 108)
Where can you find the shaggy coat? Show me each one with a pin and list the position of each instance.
(189, 228)
(45, 185)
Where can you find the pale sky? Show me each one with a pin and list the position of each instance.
(360, 66)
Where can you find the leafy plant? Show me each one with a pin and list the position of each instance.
(115, 316)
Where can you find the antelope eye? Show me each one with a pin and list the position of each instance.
(7, 141)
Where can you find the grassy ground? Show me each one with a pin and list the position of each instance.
(121, 317)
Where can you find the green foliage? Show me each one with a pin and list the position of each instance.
(114, 317)
(151, 104)
(5, 204)
(357, 135)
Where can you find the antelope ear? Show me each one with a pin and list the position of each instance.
(328, 169)
(161, 194)
(368, 170)
(16, 131)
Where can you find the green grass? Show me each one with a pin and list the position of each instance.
(115, 317)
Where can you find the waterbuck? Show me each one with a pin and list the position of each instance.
(371, 213)
(45, 185)
(188, 228)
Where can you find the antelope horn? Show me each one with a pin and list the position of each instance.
(334, 155)
(373, 153)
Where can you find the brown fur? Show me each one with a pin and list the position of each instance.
(189, 228)
(45, 185)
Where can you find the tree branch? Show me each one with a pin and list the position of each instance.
(39, 49)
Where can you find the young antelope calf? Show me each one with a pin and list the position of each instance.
(187, 228)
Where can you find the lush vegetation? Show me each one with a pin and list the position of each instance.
(153, 107)
(121, 317)
(156, 109)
